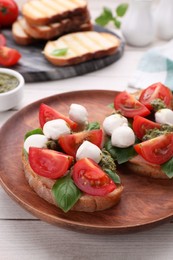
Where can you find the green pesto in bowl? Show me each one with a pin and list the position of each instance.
(7, 82)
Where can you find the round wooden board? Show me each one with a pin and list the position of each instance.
(145, 202)
(42, 70)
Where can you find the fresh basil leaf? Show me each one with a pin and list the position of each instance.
(93, 126)
(113, 175)
(59, 52)
(167, 168)
(33, 132)
(105, 17)
(121, 155)
(121, 9)
(117, 23)
(66, 193)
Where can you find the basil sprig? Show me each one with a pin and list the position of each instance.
(59, 52)
(108, 16)
(66, 193)
(93, 126)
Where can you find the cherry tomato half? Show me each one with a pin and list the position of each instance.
(9, 56)
(157, 150)
(49, 163)
(2, 40)
(129, 105)
(141, 125)
(8, 12)
(70, 143)
(90, 178)
(47, 113)
(156, 91)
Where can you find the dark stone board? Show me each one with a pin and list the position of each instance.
(35, 68)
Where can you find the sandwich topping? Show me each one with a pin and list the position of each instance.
(70, 153)
(150, 119)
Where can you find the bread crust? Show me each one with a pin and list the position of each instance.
(140, 166)
(87, 203)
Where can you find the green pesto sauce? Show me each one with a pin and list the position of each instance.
(7, 82)
(107, 161)
(152, 133)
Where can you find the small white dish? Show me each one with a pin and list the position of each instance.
(11, 98)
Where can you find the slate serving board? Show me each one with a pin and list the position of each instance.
(35, 68)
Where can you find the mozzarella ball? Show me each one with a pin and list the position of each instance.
(113, 121)
(164, 116)
(78, 113)
(54, 128)
(89, 150)
(122, 137)
(36, 140)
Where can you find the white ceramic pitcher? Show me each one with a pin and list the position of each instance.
(137, 26)
(163, 18)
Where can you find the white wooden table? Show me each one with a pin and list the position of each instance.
(22, 236)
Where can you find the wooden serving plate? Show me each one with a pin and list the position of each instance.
(145, 202)
(42, 70)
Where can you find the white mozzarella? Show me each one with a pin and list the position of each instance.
(122, 137)
(36, 140)
(78, 113)
(113, 121)
(54, 128)
(164, 116)
(89, 150)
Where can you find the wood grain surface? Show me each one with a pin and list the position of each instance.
(42, 70)
(145, 202)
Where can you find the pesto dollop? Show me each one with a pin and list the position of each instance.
(7, 82)
(152, 133)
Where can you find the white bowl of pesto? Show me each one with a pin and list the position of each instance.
(11, 88)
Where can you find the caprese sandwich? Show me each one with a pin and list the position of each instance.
(65, 163)
(141, 131)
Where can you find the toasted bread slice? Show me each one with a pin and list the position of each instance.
(140, 166)
(22, 37)
(48, 32)
(19, 33)
(87, 203)
(42, 12)
(81, 46)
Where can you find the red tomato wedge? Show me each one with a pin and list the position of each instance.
(90, 178)
(2, 40)
(70, 143)
(141, 125)
(47, 113)
(156, 91)
(157, 150)
(9, 56)
(49, 163)
(129, 105)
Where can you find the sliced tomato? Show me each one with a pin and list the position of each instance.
(91, 179)
(49, 163)
(156, 91)
(2, 40)
(70, 143)
(9, 56)
(47, 113)
(157, 150)
(129, 105)
(141, 125)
